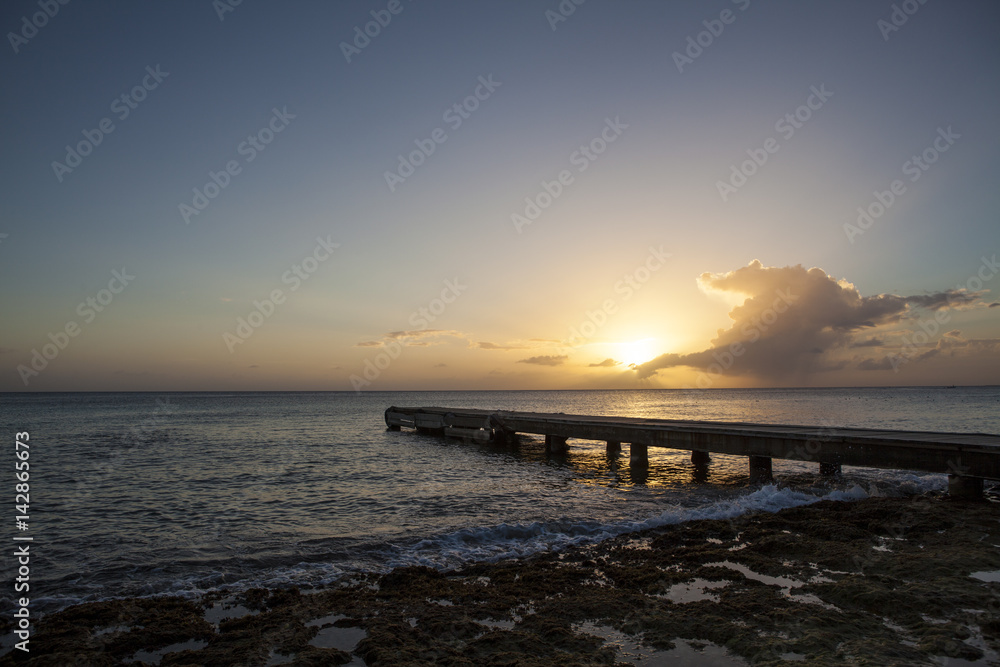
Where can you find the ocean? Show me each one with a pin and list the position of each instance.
(136, 494)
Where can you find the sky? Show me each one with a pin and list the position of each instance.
(406, 194)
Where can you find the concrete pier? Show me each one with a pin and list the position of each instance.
(977, 455)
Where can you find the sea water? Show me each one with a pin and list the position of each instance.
(185, 493)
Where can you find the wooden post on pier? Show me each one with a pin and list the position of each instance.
(614, 446)
(760, 469)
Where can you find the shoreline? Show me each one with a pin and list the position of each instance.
(874, 581)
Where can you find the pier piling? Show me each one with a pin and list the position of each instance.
(638, 454)
(760, 469)
(963, 486)
(555, 444)
(829, 469)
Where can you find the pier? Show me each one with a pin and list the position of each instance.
(967, 458)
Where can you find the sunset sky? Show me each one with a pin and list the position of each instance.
(515, 195)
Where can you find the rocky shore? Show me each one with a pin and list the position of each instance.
(882, 581)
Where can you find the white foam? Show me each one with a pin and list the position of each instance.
(493, 543)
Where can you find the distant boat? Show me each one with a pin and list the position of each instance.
(951, 386)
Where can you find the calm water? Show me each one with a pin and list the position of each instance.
(136, 494)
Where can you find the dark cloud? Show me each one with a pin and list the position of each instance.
(948, 299)
(797, 321)
(607, 363)
(951, 344)
(883, 364)
(545, 360)
(369, 343)
(869, 342)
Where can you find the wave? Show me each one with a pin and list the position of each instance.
(494, 543)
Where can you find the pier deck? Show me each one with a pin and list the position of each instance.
(968, 458)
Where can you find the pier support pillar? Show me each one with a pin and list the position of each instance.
(502, 437)
(829, 469)
(700, 461)
(614, 446)
(392, 427)
(760, 469)
(638, 454)
(962, 486)
(555, 444)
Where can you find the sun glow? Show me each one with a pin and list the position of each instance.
(637, 351)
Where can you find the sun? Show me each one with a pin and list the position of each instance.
(637, 351)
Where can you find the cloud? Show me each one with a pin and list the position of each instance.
(545, 360)
(952, 298)
(994, 304)
(797, 321)
(253, 366)
(607, 363)
(413, 338)
(424, 333)
(485, 345)
(883, 364)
